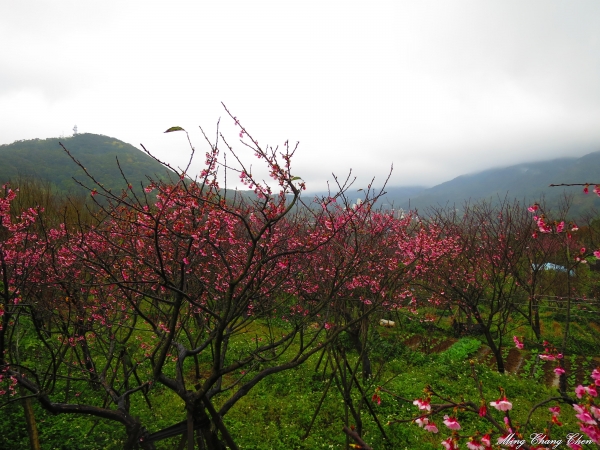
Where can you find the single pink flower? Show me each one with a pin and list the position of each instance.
(597, 189)
(431, 427)
(449, 444)
(591, 390)
(422, 421)
(422, 404)
(597, 254)
(475, 445)
(578, 408)
(482, 411)
(586, 418)
(451, 423)
(559, 371)
(547, 357)
(502, 404)
(486, 440)
(592, 431)
(533, 208)
(555, 410)
(501, 439)
(579, 391)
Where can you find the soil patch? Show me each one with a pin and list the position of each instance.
(513, 361)
(549, 375)
(443, 346)
(483, 354)
(413, 342)
(428, 344)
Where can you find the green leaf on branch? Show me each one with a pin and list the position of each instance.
(174, 129)
(296, 178)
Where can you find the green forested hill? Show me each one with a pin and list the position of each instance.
(44, 159)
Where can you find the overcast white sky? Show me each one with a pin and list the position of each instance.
(438, 88)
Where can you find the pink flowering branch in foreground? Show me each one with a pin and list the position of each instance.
(505, 432)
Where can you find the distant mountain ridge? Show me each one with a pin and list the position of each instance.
(527, 181)
(44, 159)
(393, 197)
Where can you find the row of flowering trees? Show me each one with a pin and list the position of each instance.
(159, 289)
(505, 253)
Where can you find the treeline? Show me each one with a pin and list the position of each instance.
(55, 207)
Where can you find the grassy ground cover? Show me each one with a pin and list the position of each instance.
(278, 412)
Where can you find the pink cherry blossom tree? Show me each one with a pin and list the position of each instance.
(160, 288)
(478, 275)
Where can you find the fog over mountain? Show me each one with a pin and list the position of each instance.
(528, 182)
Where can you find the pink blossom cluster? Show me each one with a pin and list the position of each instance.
(587, 412)
(559, 227)
(518, 342)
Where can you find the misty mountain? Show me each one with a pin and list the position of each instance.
(528, 182)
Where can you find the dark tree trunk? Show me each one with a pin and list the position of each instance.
(32, 431)
(354, 334)
(536, 319)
